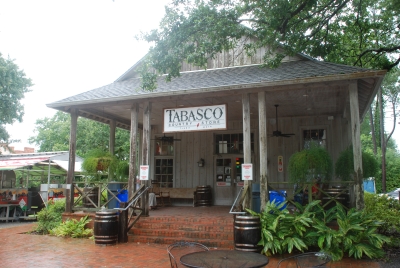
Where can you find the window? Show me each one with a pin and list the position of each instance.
(317, 136)
(231, 143)
(164, 172)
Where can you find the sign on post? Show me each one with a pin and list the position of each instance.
(247, 172)
(144, 172)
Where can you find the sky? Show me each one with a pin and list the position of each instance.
(71, 46)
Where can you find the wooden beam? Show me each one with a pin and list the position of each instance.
(357, 155)
(69, 198)
(111, 146)
(262, 130)
(133, 149)
(246, 147)
(146, 149)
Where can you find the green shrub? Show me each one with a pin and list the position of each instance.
(50, 216)
(386, 210)
(73, 228)
(308, 226)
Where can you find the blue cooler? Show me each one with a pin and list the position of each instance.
(123, 196)
(278, 196)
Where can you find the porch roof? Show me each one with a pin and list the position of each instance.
(297, 78)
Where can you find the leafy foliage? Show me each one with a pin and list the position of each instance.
(52, 134)
(98, 159)
(344, 167)
(73, 228)
(50, 217)
(360, 33)
(309, 163)
(386, 210)
(13, 86)
(309, 226)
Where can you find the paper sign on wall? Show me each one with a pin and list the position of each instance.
(280, 163)
(144, 173)
(247, 172)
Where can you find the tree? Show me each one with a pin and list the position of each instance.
(361, 33)
(53, 135)
(13, 86)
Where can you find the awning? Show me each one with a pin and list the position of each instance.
(37, 164)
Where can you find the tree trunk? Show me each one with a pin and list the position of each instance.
(371, 122)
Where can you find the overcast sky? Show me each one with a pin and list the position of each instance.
(68, 46)
(71, 46)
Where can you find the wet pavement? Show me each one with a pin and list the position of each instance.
(20, 249)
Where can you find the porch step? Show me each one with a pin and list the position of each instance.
(210, 231)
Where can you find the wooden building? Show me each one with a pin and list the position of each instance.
(199, 128)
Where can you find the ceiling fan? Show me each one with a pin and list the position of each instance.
(166, 139)
(277, 133)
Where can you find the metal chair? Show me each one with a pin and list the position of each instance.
(309, 259)
(178, 249)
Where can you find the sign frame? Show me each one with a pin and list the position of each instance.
(197, 118)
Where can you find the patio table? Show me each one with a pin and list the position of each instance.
(224, 259)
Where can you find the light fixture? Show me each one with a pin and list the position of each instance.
(201, 162)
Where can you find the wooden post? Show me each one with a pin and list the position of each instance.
(111, 143)
(69, 197)
(246, 147)
(357, 155)
(146, 150)
(123, 224)
(262, 130)
(133, 150)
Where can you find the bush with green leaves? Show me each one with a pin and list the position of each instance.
(309, 227)
(50, 216)
(73, 228)
(386, 210)
(356, 235)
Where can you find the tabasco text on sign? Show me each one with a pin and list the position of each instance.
(247, 172)
(144, 172)
(195, 118)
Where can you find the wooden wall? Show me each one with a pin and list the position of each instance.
(196, 145)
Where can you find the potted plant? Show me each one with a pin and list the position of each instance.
(310, 163)
(99, 160)
(344, 166)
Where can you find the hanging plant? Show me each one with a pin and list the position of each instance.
(344, 167)
(309, 163)
(99, 160)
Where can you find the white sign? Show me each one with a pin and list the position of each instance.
(247, 172)
(195, 118)
(144, 173)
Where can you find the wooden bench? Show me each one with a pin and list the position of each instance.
(179, 193)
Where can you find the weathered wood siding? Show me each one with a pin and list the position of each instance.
(196, 145)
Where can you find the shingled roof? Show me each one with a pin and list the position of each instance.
(303, 71)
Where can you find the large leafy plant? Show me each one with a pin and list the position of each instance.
(50, 216)
(310, 163)
(73, 228)
(99, 160)
(344, 166)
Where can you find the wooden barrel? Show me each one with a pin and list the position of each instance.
(92, 194)
(106, 227)
(247, 233)
(203, 196)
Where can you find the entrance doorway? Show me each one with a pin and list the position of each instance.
(228, 179)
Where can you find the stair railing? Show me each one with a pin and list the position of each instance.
(237, 206)
(135, 210)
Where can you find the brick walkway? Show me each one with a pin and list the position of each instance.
(19, 249)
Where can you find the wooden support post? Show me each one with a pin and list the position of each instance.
(123, 224)
(69, 197)
(133, 150)
(246, 147)
(146, 151)
(357, 154)
(262, 130)
(111, 143)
